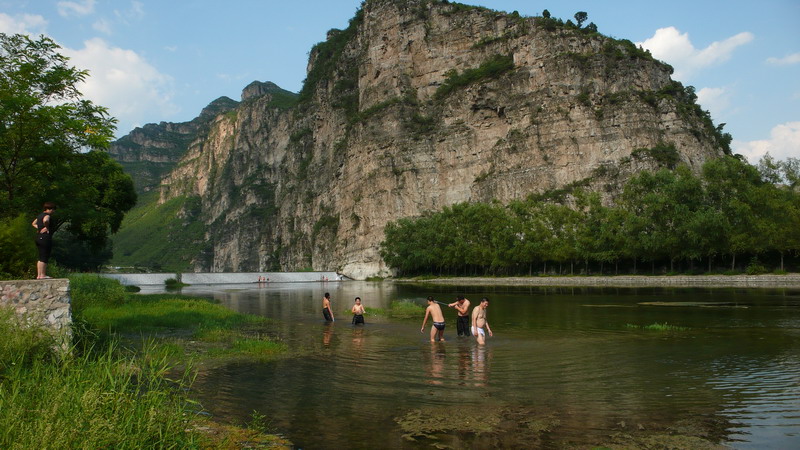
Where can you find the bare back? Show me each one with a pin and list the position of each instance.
(436, 312)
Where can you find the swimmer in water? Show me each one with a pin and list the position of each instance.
(435, 312)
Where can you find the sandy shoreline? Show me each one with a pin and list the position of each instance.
(743, 281)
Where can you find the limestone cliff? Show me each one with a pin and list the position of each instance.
(420, 104)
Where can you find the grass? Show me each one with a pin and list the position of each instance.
(104, 394)
(399, 309)
(96, 399)
(656, 327)
(158, 236)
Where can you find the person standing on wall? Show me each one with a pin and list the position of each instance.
(45, 227)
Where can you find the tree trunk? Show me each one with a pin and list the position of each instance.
(634, 266)
(733, 262)
(781, 261)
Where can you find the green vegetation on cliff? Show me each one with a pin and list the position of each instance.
(161, 237)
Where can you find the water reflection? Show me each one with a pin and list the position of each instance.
(731, 375)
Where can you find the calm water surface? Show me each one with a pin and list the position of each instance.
(569, 358)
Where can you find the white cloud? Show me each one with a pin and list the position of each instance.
(794, 58)
(77, 9)
(22, 24)
(135, 12)
(675, 48)
(103, 26)
(716, 100)
(784, 142)
(133, 90)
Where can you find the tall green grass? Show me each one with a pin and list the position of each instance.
(99, 399)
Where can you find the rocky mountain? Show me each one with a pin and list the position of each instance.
(418, 104)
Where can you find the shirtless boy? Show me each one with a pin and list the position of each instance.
(435, 312)
(462, 323)
(479, 323)
(358, 312)
(327, 312)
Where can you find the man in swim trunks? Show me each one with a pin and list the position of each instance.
(479, 323)
(326, 308)
(435, 312)
(462, 323)
(358, 312)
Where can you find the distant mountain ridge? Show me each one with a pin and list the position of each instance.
(417, 105)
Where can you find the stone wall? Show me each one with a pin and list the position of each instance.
(41, 302)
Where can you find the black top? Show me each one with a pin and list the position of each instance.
(40, 223)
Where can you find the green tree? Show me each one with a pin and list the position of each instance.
(731, 188)
(581, 17)
(52, 141)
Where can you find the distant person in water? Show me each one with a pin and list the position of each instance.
(462, 322)
(435, 312)
(327, 312)
(45, 227)
(358, 312)
(479, 323)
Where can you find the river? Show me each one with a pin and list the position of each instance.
(566, 367)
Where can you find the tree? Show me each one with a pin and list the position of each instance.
(581, 17)
(52, 141)
(546, 14)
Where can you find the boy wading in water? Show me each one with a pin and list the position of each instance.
(326, 308)
(462, 323)
(435, 312)
(479, 322)
(358, 312)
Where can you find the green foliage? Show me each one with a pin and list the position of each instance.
(668, 216)
(665, 154)
(283, 100)
(94, 291)
(328, 55)
(755, 267)
(325, 222)
(163, 237)
(17, 247)
(98, 399)
(47, 128)
(494, 67)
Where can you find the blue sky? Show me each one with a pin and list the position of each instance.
(164, 60)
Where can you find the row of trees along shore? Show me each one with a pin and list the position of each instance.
(731, 215)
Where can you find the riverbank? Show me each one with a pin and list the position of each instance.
(711, 281)
(126, 380)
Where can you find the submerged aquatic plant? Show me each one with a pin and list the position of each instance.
(657, 327)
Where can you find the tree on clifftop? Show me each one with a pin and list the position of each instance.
(52, 142)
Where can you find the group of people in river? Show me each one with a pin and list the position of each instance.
(478, 326)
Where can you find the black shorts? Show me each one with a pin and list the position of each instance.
(358, 319)
(439, 325)
(327, 314)
(45, 244)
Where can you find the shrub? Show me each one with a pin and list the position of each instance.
(18, 248)
(492, 68)
(94, 290)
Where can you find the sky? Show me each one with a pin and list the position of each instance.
(164, 60)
